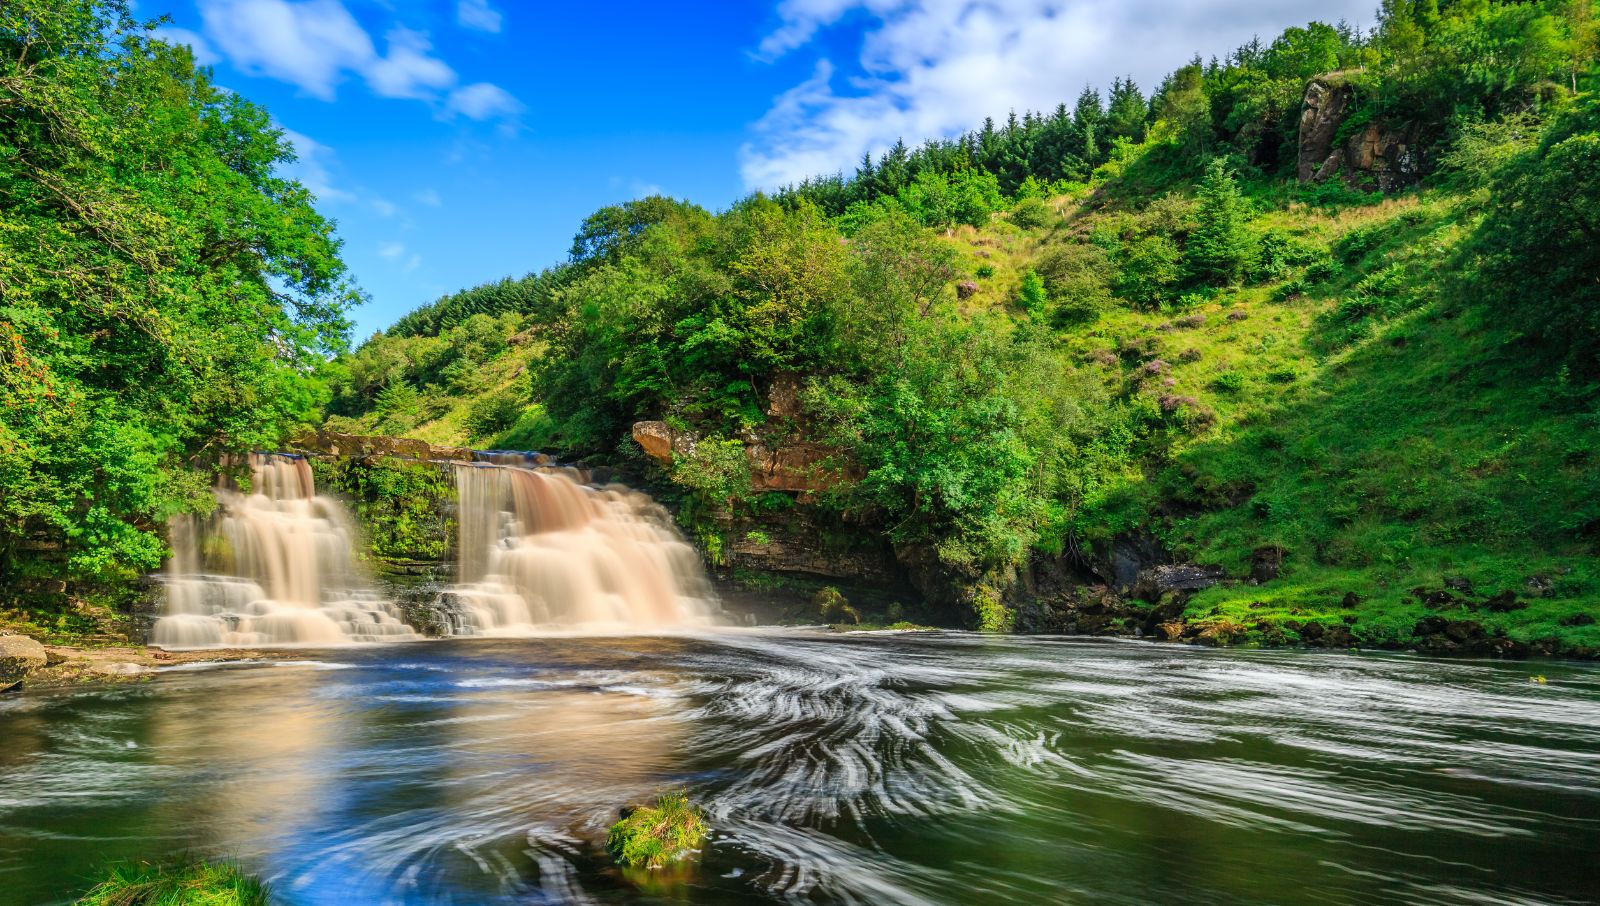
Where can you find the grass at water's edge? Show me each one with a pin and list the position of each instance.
(177, 884)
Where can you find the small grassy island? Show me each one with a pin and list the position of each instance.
(177, 884)
(658, 836)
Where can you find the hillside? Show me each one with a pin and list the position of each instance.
(1303, 332)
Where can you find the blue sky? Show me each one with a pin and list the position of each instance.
(458, 141)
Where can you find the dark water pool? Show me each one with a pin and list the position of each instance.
(929, 768)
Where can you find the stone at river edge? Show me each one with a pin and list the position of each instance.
(19, 655)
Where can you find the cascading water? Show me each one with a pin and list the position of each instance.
(541, 551)
(271, 567)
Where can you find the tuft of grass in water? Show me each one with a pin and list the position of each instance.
(183, 884)
(658, 836)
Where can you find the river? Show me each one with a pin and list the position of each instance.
(865, 768)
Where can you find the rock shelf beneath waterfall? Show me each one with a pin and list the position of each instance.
(70, 666)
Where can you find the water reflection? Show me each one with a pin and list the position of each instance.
(871, 769)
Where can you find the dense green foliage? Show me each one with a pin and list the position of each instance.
(1127, 320)
(194, 884)
(405, 509)
(163, 293)
(658, 836)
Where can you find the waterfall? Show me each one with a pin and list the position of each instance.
(540, 551)
(271, 567)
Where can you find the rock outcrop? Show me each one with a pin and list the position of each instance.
(1375, 156)
(19, 656)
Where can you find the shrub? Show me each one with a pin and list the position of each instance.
(1151, 269)
(198, 883)
(657, 836)
(1031, 213)
(493, 414)
(832, 606)
(1228, 382)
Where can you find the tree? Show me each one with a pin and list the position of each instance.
(165, 295)
(1221, 247)
(1536, 247)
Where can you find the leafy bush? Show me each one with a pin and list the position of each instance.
(1031, 213)
(492, 414)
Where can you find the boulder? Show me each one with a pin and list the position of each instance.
(1266, 562)
(783, 397)
(116, 668)
(1157, 581)
(19, 656)
(655, 438)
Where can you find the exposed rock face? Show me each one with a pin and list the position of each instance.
(795, 541)
(797, 467)
(19, 655)
(655, 438)
(1178, 577)
(1376, 157)
(335, 444)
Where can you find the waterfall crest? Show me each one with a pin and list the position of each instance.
(274, 566)
(542, 551)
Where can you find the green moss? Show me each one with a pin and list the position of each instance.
(188, 884)
(658, 836)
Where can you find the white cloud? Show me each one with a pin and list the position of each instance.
(204, 55)
(935, 68)
(383, 207)
(310, 44)
(396, 252)
(408, 71)
(478, 15)
(482, 101)
(429, 197)
(311, 167)
(317, 44)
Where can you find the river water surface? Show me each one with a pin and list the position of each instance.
(911, 768)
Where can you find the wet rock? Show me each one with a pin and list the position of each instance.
(1177, 577)
(1538, 586)
(117, 669)
(1338, 636)
(1312, 631)
(1171, 631)
(1505, 602)
(19, 656)
(1266, 562)
(1350, 600)
(1434, 599)
(1459, 584)
(1576, 619)
(1429, 626)
(1463, 630)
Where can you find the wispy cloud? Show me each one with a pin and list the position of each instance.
(396, 252)
(478, 15)
(428, 197)
(204, 54)
(933, 68)
(483, 101)
(316, 45)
